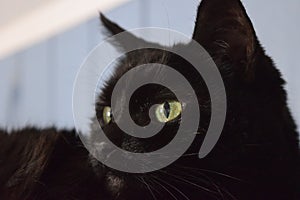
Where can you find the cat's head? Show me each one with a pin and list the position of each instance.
(225, 31)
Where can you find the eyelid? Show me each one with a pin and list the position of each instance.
(183, 105)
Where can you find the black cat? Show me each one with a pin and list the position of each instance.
(257, 156)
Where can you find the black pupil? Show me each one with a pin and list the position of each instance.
(167, 109)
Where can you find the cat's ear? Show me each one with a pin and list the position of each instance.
(224, 29)
(123, 42)
(111, 27)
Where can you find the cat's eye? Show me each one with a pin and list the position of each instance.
(107, 115)
(168, 111)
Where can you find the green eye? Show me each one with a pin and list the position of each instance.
(168, 111)
(107, 114)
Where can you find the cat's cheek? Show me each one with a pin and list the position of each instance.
(114, 184)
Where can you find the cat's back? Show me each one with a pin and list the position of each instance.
(41, 164)
(22, 150)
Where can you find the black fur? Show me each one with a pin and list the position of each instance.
(257, 156)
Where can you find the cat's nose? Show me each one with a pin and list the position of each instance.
(132, 144)
(102, 150)
(99, 153)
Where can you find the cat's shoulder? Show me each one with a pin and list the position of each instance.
(33, 138)
(26, 153)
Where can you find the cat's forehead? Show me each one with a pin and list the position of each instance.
(138, 58)
(152, 59)
(163, 56)
(156, 64)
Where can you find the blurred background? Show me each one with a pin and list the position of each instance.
(44, 42)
